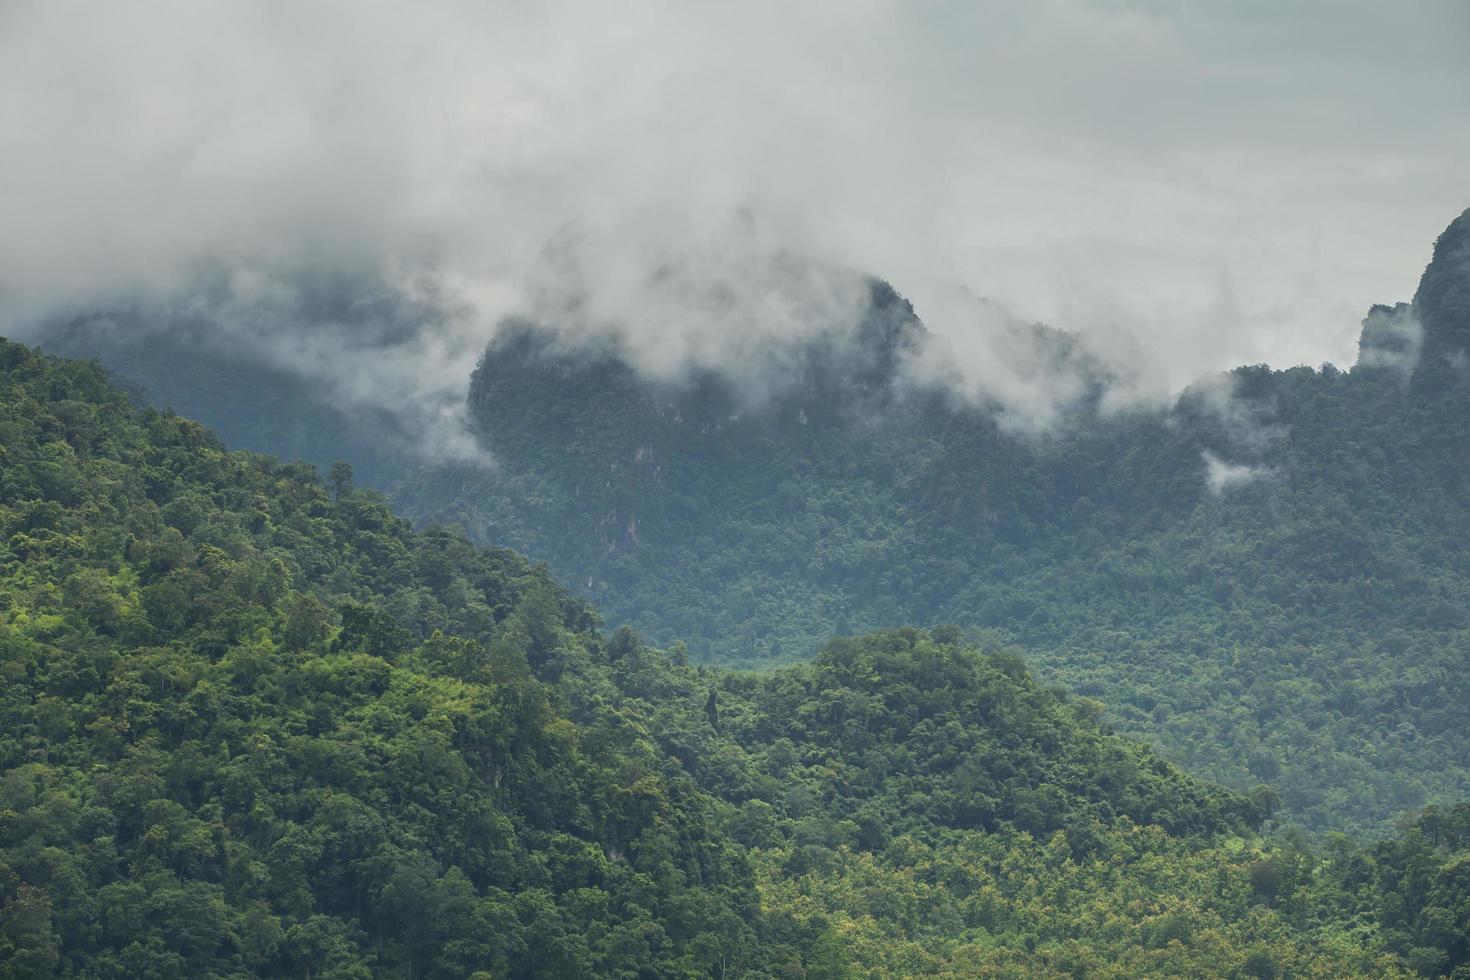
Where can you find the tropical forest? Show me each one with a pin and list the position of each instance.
(499, 491)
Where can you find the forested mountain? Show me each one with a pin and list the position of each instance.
(258, 726)
(1267, 579)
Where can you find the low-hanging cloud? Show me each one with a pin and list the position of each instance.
(1245, 424)
(362, 192)
(729, 298)
(1221, 476)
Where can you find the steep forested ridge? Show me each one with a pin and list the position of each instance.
(257, 726)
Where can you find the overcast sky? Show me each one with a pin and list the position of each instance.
(1228, 182)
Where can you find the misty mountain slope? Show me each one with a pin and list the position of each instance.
(261, 728)
(1268, 579)
(251, 404)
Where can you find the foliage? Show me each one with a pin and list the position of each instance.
(256, 730)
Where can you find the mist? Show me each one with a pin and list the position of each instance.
(1220, 476)
(361, 194)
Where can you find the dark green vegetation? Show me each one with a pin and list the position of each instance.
(1268, 580)
(255, 725)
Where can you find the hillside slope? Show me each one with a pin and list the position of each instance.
(261, 728)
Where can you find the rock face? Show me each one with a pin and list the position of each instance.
(1442, 305)
(1440, 389)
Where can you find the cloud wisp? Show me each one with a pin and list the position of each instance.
(1221, 476)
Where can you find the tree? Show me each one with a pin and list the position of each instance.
(339, 479)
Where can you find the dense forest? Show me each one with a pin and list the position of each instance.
(1266, 580)
(259, 726)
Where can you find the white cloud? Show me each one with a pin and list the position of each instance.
(1226, 184)
(1222, 476)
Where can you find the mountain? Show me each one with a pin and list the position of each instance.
(1264, 579)
(259, 726)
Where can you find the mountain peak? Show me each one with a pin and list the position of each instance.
(1442, 305)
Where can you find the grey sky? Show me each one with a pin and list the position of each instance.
(1227, 182)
